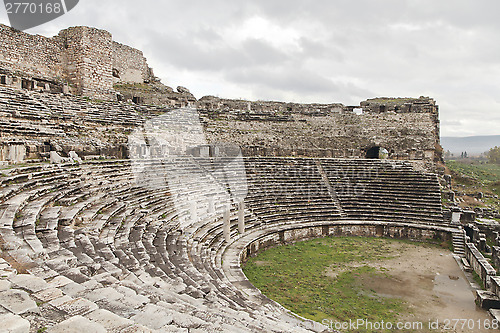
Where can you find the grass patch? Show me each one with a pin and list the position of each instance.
(296, 276)
(476, 177)
(478, 172)
(477, 279)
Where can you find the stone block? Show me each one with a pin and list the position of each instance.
(77, 324)
(153, 317)
(72, 289)
(78, 306)
(18, 302)
(47, 295)
(103, 293)
(487, 300)
(29, 282)
(109, 320)
(59, 281)
(10, 323)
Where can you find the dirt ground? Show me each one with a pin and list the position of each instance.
(434, 286)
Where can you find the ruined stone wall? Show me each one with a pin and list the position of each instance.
(129, 65)
(81, 57)
(32, 55)
(89, 54)
(368, 229)
(265, 108)
(323, 130)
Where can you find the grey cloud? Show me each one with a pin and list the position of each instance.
(299, 81)
(194, 56)
(259, 52)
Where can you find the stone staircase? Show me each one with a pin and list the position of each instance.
(459, 242)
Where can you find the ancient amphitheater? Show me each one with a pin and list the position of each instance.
(86, 247)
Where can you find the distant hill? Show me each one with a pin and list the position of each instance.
(470, 144)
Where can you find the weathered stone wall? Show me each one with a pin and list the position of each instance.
(89, 65)
(480, 265)
(368, 229)
(129, 65)
(323, 130)
(32, 55)
(81, 57)
(13, 152)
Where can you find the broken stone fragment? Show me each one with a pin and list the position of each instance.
(183, 90)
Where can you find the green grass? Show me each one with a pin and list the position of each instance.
(477, 279)
(296, 277)
(479, 172)
(477, 177)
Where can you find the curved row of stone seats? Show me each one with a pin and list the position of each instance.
(385, 191)
(69, 106)
(173, 259)
(209, 247)
(25, 106)
(15, 103)
(106, 233)
(26, 128)
(282, 189)
(183, 260)
(86, 261)
(180, 257)
(59, 306)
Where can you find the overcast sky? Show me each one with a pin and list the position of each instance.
(317, 51)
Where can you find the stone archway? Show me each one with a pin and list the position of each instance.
(373, 152)
(377, 152)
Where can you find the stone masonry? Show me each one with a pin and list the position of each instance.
(81, 59)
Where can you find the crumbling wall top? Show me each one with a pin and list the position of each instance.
(400, 105)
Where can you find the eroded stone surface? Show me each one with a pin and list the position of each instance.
(48, 295)
(17, 301)
(153, 317)
(29, 282)
(77, 324)
(10, 323)
(78, 306)
(109, 320)
(4, 285)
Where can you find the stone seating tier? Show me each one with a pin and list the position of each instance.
(105, 253)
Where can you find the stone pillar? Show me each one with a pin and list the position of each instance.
(227, 225)
(241, 217)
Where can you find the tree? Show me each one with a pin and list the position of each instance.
(494, 155)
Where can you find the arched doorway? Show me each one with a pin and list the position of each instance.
(377, 153)
(373, 152)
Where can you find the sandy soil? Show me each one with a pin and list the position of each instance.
(431, 282)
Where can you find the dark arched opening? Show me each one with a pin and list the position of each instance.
(373, 152)
(377, 153)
